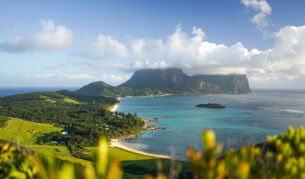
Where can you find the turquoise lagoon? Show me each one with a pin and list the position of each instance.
(248, 118)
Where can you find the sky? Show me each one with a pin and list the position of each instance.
(72, 43)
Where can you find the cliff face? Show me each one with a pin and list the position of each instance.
(173, 79)
(170, 81)
(157, 79)
(232, 84)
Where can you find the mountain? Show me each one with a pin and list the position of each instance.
(150, 82)
(100, 88)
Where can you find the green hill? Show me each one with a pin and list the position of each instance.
(100, 88)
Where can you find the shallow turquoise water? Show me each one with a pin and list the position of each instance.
(247, 119)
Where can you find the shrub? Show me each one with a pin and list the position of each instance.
(279, 157)
(17, 164)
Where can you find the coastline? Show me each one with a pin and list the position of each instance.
(116, 143)
(114, 108)
(150, 96)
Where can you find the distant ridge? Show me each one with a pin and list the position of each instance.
(150, 82)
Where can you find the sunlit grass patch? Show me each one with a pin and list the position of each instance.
(25, 132)
(50, 101)
(60, 152)
(68, 100)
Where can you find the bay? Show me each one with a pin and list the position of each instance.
(247, 119)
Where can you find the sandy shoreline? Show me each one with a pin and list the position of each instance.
(114, 108)
(116, 143)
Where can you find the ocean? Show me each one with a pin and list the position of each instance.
(247, 119)
(7, 91)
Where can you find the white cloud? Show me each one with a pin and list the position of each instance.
(105, 47)
(287, 57)
(137, 46)
(195, 55)
(46, 75)
(51, 76)
(51, 38)
(98, 65)
(192, 53)
(114, 79)
(110, 78)
(285, 60)
(77, 77)
(262, 8)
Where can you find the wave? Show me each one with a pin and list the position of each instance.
(283, 110)
(294, 111)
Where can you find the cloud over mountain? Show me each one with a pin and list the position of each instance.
(195, 55)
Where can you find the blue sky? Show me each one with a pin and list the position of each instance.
(72, 43)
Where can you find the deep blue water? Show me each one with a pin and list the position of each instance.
(247, 119)
(7, 91)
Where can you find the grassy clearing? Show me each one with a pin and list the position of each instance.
(44, 97)
(25, 132)
(68, 100)
(47, 99)
(50, 101)
(60, 152)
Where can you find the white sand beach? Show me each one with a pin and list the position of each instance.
(116, 143)
(114, 108)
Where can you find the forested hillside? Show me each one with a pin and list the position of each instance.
(84, 119)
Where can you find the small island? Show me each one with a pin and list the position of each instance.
(211, 105)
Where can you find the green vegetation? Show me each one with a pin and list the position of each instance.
(103, 89)
(279, 157)
(25, 132)
(23, 163)
(50, 101)
(68, 100)
(82, 119)
(169, 81)
(3, 121)
(57, 151)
